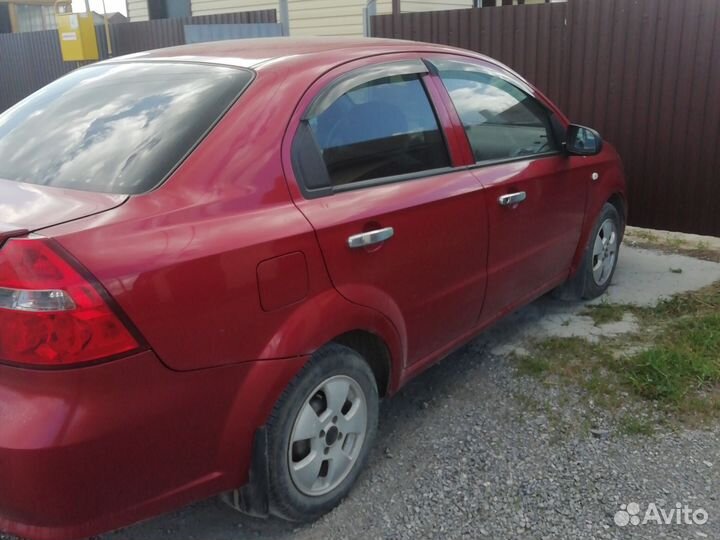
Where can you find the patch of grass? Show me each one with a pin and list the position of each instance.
(673, 244)
(528, 403)
(677, 367)
(692, 304)
(675, 241)
(604, 388)
(605, 313)
(632, 425)
(647, 236)
(532, 365)
(565, 347)
(686, 359)
(568, 357)
(573, 359)
(695, 409)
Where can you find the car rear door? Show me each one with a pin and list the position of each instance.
(403, 229)
(536, 201)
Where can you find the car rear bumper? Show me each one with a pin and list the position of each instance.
(88, 450)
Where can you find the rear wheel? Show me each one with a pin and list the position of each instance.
(319, 434)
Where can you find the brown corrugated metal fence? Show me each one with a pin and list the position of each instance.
(645, 73)
(29, 61)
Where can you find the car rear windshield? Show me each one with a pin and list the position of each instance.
(115, 128)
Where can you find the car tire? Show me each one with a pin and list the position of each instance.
(320, 433)
(599, 261)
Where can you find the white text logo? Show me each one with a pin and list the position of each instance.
(631, 514)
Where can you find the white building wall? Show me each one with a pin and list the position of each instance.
(309, 17)
(326, 17)
(385, 6)
(214, 7)
(137, 10)
(345, 17)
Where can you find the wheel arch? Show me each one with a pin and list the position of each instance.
(611, 189)
(374, 351)
(617, 199)
(334, 319)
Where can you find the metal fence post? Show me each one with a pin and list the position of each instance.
(369, 11)
(284, 16)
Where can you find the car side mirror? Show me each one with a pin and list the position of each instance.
(583, 141)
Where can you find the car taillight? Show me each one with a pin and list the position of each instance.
(50, 314)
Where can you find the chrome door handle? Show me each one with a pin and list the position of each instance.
(512, 198)
(369, 238)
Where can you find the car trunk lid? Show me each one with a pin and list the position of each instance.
(26, 208)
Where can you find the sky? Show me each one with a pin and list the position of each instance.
(96, 5)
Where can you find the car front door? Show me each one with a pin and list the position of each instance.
(536, 200)
(402, 229)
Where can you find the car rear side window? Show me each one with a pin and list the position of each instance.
(501, 121)
(115, 128)
(379, 129)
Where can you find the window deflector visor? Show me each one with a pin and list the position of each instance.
(439, 64)
(359, 77)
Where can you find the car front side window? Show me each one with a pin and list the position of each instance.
(501, 121)
(379, 129)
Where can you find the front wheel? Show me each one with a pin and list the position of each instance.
(600, 259)
(319, 434)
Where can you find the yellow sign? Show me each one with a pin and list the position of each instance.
(77, 37)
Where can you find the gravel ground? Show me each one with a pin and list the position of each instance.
(459, 457)
(469, 450)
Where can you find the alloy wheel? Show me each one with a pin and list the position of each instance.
(328, 435)
(604, 252)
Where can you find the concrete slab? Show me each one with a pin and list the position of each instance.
(645, 277)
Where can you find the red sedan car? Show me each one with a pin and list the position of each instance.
(216, 259)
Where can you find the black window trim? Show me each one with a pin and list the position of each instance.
(434, 64)
(394, 179)
(502, 161)
(327, 97)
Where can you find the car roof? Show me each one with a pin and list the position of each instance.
(254, 53)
